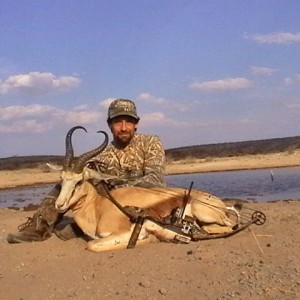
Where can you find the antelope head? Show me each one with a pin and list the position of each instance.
(74, 173)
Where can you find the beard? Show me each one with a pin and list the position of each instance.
(122, 139)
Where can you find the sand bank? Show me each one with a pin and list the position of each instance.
(14, 178)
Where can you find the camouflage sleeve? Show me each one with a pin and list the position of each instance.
(143, 165)
(154, 164)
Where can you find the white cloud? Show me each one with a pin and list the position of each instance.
(26, 126)
(81, 107)
(293, 105)
(161, 102)
(105, 103)
(37, 82)
(82, 117)
(37, 118)
(262, 71)
(292, 80)
(160, 119)
(20, 111)
(153, 117)
(275, 38)
(229, 84)
(150, 98)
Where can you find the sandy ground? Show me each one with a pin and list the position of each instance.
(260, 263)
(263, 263)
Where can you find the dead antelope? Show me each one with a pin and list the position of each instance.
(109, 227)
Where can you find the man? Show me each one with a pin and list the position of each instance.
(133, 159)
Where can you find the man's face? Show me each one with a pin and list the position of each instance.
(123, 129)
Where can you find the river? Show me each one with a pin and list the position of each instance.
(260, 185)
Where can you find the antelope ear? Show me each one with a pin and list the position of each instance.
(54, 167)
(86, 174)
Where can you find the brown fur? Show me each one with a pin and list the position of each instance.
(99, 218)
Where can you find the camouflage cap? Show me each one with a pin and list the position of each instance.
(122, 107)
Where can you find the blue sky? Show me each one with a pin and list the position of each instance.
(200, 72)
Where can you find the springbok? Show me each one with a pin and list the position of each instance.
(106, 224)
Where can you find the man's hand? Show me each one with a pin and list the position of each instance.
(97, 166)
(95, 175)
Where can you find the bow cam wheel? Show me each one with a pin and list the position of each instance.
(258, 218)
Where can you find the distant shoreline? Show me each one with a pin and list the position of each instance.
(27, 177)
(246, 162)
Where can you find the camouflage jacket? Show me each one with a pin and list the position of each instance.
(141, 163)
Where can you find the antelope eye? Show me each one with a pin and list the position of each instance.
(79, 183)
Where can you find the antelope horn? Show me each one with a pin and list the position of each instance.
(69, 148)
(83, 158)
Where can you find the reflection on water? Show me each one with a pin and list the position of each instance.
(249, 185)
(259, 185)
(22, 196)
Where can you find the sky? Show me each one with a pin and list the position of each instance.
(200, 72)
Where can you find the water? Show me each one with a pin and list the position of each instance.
(249, 185)
(22, 196)
(257, 185)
